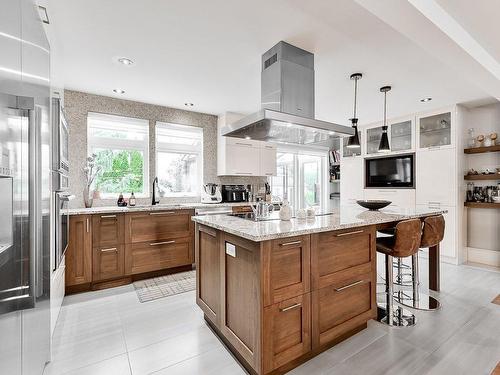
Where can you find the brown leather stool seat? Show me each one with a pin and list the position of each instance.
(404, 243)
(432, 235)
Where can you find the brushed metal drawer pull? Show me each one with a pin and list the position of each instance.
(161, 243)
(162, 213)
(87, 224)
(110, 249)
(243, 144)
(349, 233)
(291, 307)
(349, 286)
(108, 216)
(291, 243)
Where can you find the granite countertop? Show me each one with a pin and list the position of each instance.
(349, 216)
(158, 207)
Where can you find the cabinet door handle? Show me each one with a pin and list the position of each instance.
(87, 224)
(108, 216)
(162, 213)
(245, 173)
(291, 243)
(294, 306)
(269, 174)
(161, 243)
(109, 249)
(243, 144)
(349, 286)
(349, 233)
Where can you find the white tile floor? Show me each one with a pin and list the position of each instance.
(109, 332)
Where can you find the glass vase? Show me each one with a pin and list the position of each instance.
(88, 197)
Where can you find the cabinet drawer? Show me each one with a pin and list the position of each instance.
(158, 225)
(108, 229)
(107, 262)
(153, 256)
(287, 331)
(286, 269)
(339, 308)
(333, 252)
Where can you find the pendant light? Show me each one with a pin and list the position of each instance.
(353, 141)
(384, 140)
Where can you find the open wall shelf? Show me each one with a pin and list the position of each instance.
(482, 150)
(481, 205)
(476, 177)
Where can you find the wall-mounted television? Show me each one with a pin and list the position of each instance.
(392, 171)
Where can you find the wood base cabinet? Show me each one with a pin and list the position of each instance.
(108, 263)
(107, 250)
(287, 331)
(79, 252)
(278, 303)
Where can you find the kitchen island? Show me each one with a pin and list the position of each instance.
(278, 293)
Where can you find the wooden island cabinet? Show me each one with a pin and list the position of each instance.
(112, 249)
(279, 302)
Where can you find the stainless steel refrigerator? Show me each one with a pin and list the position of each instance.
(25, 195)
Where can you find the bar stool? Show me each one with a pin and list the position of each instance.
(402, 278)
(432, 235)
(404, 243)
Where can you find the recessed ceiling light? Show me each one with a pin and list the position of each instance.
(125, 61)
(247, 137)
(425, 100)
(119, 91)
(188, 104)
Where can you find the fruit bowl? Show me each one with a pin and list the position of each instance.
(373, 204)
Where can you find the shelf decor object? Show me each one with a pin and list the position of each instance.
(384, 140)
(353, 141)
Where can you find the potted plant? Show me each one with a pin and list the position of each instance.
(90, 170)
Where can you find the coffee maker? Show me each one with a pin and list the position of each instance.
(210, 193)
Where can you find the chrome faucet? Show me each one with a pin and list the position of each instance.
(154, 200)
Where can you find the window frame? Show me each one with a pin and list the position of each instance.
(121, 144)
(181, 149)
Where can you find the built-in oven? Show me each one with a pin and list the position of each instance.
(61, 217)
(60, 136)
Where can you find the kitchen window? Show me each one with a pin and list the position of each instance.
(121, 146)
(179, 159)
(301, 174)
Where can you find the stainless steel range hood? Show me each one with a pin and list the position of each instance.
(287, 93)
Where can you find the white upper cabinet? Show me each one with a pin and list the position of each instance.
(401, 133)
(243, 157)
(267, 159)
(436, 129)
(348, 152)
(351, 179)
(436, 176)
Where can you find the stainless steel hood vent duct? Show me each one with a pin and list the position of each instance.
(287, 96)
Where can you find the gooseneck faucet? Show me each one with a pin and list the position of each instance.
(154, 200)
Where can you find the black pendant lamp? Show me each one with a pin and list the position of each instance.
(384, 141)
(353, 141)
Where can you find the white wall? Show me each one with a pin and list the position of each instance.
(483, 225)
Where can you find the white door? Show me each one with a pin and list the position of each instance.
(311, 176)
(448, 247)
(436, 177)
(351, 179)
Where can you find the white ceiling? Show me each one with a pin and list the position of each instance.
(208, 52)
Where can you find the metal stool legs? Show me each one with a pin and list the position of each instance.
(415, 299)
(392, 314)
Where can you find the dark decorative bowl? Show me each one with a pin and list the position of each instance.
(374, 204)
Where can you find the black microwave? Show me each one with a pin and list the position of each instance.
(390, 171)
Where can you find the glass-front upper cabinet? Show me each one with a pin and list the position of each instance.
(373, 136)
(346, 151)
(435, 130)
(401, 136)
